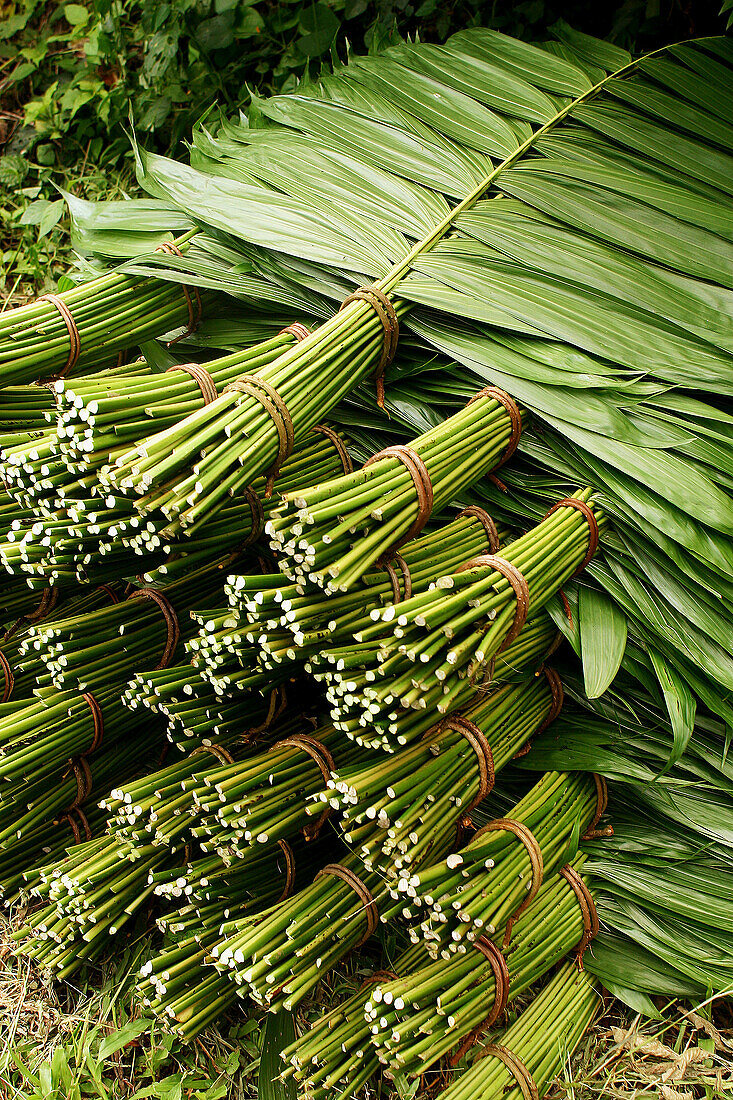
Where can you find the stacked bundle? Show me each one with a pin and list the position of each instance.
(421, 651)
(600, 280)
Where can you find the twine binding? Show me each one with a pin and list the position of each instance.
(346, 463)
(194, 315)
(221, 754)
(492, 535)
(485, 757)
(326, 765)
(201, 377)
(593, 533)
(521, 591)
(277, 410)
(297, 329)
(69, 818)
(49, 599)
(516, 1067)
(73, 331)
(588, 909)
(114, 598)
(418, 471)
(515, 419)
(83, 775)
(528, 839)
(394, 580)
(8, 677)
(98, 719)
(287, 851)
(500, 971)
(352, 880)
(277, 703)
(385, 311)
(171, 621)
(593, 833)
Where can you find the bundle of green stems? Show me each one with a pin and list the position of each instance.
(196, 715)
(188, 994)
(90, 895)
(239, 437)
(110, 644)
(292, 622)
(428, 1012)
(478, 890)
(264, 798)
(101, 413)
(463, 620)
(444, 776)
(25, 410)
(29, 807)
(110, 313)
(40, 736)
(156, 808)
(45, 843)
(542, 1038)
(333, 533)
(398, 727)
(76, 526)
(335, 1058)
(278, 956)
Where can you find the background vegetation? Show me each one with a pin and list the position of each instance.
(70, 72)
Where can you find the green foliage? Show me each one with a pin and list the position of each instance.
(71, 72)
(99, 1046)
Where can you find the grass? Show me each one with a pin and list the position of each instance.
(68, 1042)
(89, 1040)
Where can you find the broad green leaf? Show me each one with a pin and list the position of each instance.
(120, 1038)
(603, 633)
(680, 702)
(279, 1032)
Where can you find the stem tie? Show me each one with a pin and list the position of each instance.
(528, 839)
(297, 329)
(69, 819)
(593, 534)
(501, 994)
(484, 755)
(515, 418)
(49, 599)
(601, 804)
(201, 377)
(323, 429)
(258, 518)
(98, 720)
(171, 621)
(516, 1067)
(218, 751)
(83, 775)
(287, 851)
(379, 976)
(73, 331)
(587, 907)
(558, 698)
(352, 880)
(418, 471)
(277, 410)
(194, 316)
(110, 592)
(8, 676)
(492, 535)
(326, 764)
(521, 591)
(385, 311)
(276, 705)
(394, 580)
